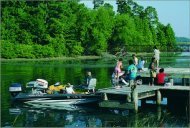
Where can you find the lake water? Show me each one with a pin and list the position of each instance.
(73, 71)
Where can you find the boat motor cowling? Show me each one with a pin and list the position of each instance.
(43, 84)
(15, 89)
(38, 84)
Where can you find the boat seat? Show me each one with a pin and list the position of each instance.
(92, 85)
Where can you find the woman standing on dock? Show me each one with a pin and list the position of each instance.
(152, 71)
(156, 56)
(135, 59)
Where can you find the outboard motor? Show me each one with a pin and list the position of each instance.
(38, 86)
(42, 84)
(15, 89)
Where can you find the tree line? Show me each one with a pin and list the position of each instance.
(38, 29)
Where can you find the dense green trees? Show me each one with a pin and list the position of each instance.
(36, 29)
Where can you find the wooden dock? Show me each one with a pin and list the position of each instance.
(125, 97)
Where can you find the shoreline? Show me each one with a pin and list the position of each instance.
(108, 56)
(53, 58)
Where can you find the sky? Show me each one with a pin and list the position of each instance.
(174, 12)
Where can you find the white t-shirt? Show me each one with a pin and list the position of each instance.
(69, 90)
(136, 61)
(141, 64)
(156, 54)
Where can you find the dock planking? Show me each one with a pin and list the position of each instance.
(124, 89)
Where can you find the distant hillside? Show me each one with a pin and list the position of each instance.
(182, 39)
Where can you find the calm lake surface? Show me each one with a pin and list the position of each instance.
(73, 71)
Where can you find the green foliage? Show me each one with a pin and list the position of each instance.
(43, 51)
(24, 51)
(7, 50)
(58, 45)
(123, 32)
(171, 42)
(37, 29)
(102, 30)
(74, 48)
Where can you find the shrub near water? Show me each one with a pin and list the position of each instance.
(43, 51)
(10, 51)
(7, 50)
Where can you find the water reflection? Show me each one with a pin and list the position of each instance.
(63, 117)
(58, 107)
(32, 116)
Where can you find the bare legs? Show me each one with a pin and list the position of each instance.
(157, 63)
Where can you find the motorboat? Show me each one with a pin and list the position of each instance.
(36, 93)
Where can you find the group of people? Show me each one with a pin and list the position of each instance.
(160, 77)
(135, 65)
(129, 74)
(153, 67)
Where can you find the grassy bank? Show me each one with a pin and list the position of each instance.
(54, 58)
(102, 56)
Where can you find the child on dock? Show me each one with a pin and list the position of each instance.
(131, 71)
(118, 69)
(141, 63)
(161, 77)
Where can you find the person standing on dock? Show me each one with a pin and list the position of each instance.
(118, 68)
(131, 71)
(152, 71)
(135, 60)
(156, 56)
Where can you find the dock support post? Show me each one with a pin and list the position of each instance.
(159, 97)
(172, 82)
(105, 96)
(131, 83)
(135, 100)
(159, 112)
